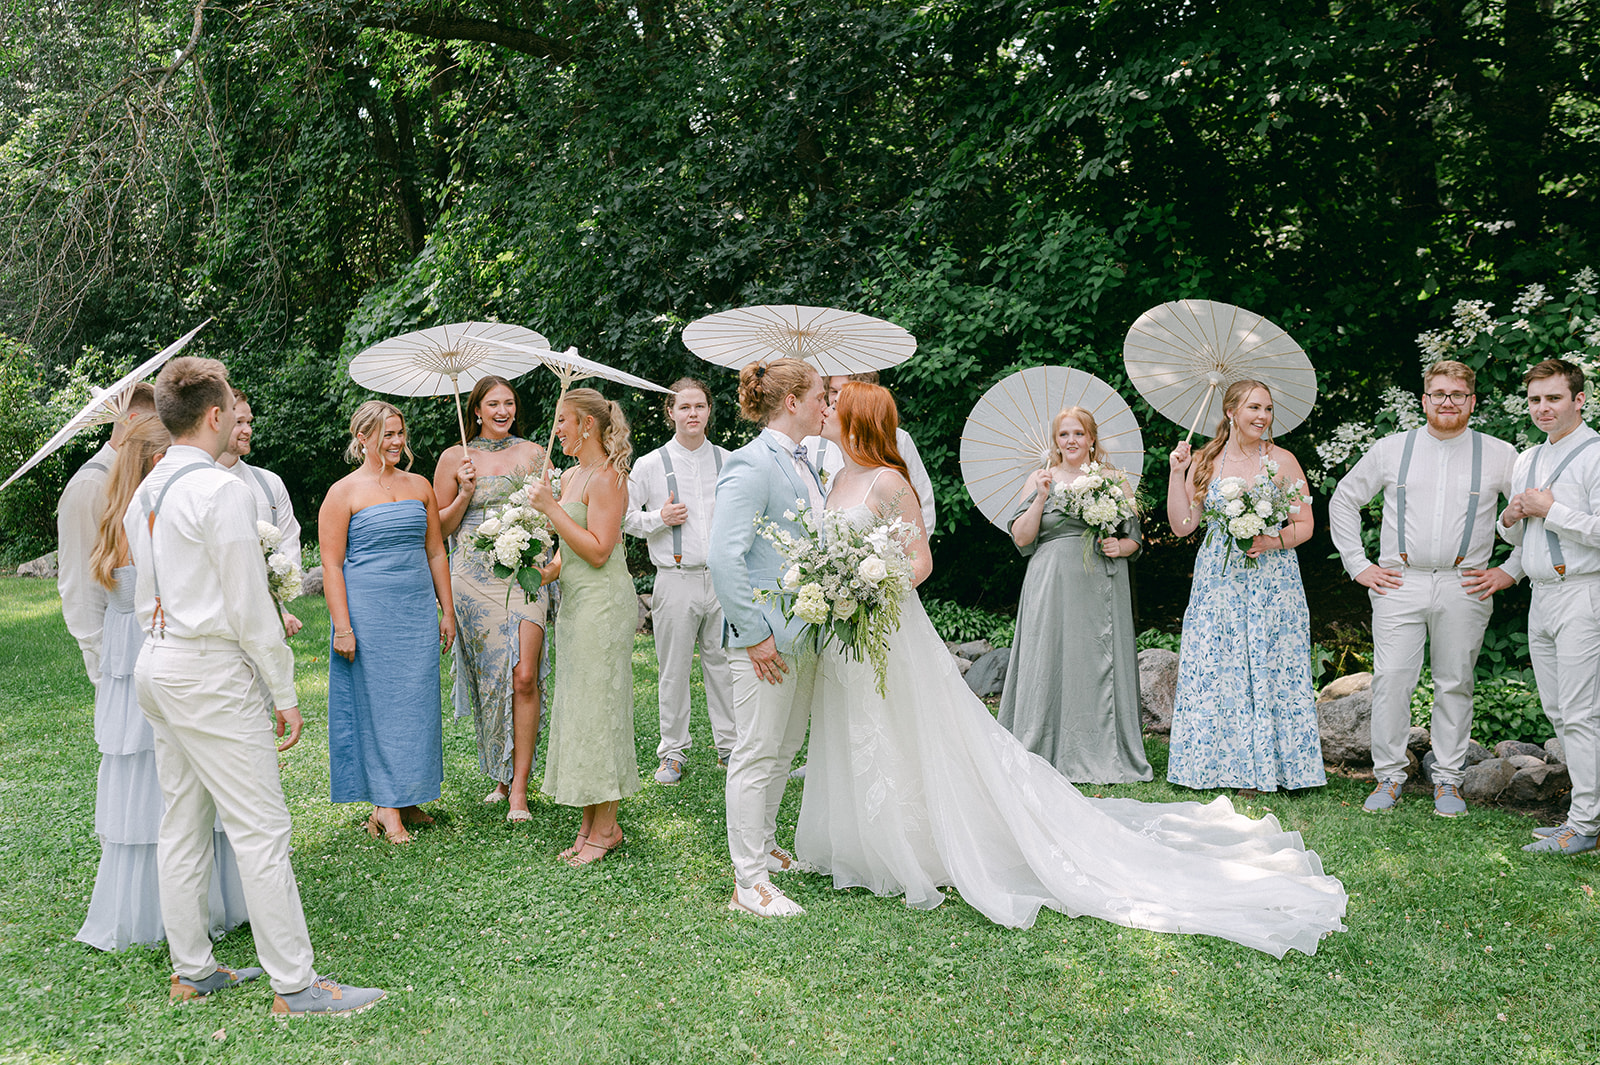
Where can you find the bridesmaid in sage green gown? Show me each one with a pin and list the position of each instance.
(1072, 687)
(591, 760)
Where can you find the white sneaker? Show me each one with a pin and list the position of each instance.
(781, 861)
(764, 900)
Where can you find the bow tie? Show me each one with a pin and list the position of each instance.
(800, 452)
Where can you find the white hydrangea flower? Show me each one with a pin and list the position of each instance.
(1246, 527)
(811, 606)
(1584, 281)
(1530, 299)
(269, 535)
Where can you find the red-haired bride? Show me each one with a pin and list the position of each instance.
(922, 789)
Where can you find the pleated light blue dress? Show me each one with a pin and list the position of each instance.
(385, 738)
(125, 908)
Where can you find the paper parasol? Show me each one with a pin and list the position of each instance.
(1182, 356)
(835, 342)
(107, 404)
(1007, 435)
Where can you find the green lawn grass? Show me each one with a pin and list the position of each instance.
(1461, 948)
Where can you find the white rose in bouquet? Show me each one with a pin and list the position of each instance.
(1233, 508)
(490, 527)
(269, 535)
(791, 579)
(1232, 487)
(872, 569)
(1264, 509)
(844, 608)
(811, 606)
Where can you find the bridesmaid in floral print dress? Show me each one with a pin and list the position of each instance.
(1244, 716)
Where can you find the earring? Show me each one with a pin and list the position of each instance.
(363, 449)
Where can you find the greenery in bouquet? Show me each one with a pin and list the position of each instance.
(284, 579)
(518, 538)
(1252, 507)
(844, 580)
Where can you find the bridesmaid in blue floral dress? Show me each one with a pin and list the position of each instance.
(1244, 716)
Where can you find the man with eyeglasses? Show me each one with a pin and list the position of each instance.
(1555, 517)
(1432, 583)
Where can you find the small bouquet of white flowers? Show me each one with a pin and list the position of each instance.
(284, 579)
(518, 537)
(1250, 508)
(845, 581)
(1096, 498)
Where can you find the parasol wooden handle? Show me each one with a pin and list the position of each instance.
(1205, 405)
(461, 422)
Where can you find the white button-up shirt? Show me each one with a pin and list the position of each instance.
(832, 459)
(696, 475)
(83, 599)
(1574, 516)
(802, 467)
(213, 579)
(269, 492)
(1438, 485)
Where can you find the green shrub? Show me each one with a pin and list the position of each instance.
(1167, 641)
(963, 623)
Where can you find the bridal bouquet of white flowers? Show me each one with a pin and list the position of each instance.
(518, 537)
(1252, 507)
(284, 579)
(845, 581)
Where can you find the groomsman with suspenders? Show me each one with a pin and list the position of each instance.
(273, 505)
(1432, 584)
(1555, 516)
(671, 497)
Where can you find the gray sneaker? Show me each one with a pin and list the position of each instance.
(1447, 801)
(1567, 840)
(1383, 797)
(327, 998)
(187, 990)
(798, 774)
(1544, 831)
(670, 771)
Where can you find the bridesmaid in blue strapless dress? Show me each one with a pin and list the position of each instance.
(384, 573)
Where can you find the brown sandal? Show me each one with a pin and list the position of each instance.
(375, 829)
(578, 861)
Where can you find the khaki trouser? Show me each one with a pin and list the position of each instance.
(684, 611)
(770, 722)
(1564, 641)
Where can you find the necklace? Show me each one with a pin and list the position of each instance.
(389, 488)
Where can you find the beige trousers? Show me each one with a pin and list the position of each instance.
(1564, 642)
(684, 611)
(770, 722)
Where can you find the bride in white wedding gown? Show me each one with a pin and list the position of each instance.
(924, 789)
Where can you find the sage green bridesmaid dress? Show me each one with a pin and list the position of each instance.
(591, 757)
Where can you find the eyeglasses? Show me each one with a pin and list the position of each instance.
(1457, 398)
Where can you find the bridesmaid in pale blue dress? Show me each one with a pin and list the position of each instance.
(125, 908)
(387, 582)
(1244, 715)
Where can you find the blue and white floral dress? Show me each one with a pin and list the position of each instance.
(1244, 715)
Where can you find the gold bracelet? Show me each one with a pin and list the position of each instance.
(346, 632)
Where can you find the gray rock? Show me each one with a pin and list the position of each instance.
(973, 649)
(1525, 761)
(1345, 722)
(1555, 751)
(644, 615)
(1485, 781)
(1158, 686)
(647, 600)
(312, 585)
(962, 664)
(43, 566)
(988, 674)
(1477, 752)
(1348, 684)
(1418, 740)
(1428, 762)
(1507, 748)
(1538, 783)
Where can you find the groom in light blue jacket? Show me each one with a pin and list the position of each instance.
(773, 672)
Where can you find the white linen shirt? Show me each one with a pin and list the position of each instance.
(832, 458)
(83, 599)
(1438, 484)
(269, 491)
(803, 468)
(213, 580)
(696, 474)
(1574, 516)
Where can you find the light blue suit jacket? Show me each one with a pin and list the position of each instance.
(758, 481)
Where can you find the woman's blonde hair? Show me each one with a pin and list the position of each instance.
(1206, 462)
(609, 422)
(763, 386)
(144, 442)
(1097, 451)
(368, 421)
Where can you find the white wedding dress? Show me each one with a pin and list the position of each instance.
(924, 789)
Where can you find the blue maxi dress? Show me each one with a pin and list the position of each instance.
(385, 737)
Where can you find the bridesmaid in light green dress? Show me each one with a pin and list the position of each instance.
(591, 760)
(1072, 688)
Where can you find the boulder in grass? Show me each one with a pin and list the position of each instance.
(1555, 751)
(1538, 784)
(1507, 748)
(1525, 761)
(961, 664)
(1158, 688)
(1418, 740)
(1486, 781)
(1477, 752)
(43, 566)
(1348, 684)
(1345, 724)
(312, 584)
(988, 674)
(973, 650)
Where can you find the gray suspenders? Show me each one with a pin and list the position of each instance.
(266, 489)
(672, 494)
(93, 465)
(158, 620)
(1557, 559)
(1472, 496)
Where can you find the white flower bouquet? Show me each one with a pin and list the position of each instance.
(1250, 508)
(845, 581)
(518, 538)
(284, 579)
(1096, 497)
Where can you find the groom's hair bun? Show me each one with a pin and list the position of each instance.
(763, 386)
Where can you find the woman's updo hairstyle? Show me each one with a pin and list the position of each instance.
(763, 386)
(368, 421)
(609, 422)
(480, 392)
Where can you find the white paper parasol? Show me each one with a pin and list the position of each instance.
(1182, 356)
(835, 342)
(569, 366)
(447, 358)
(108, 403)
(1007, 435)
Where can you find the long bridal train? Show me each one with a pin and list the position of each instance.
(924, 789)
